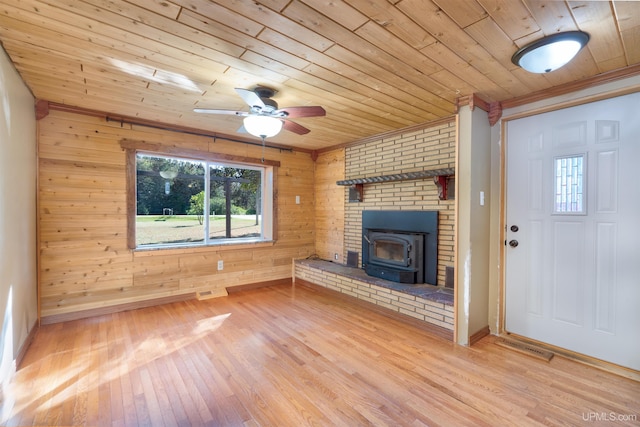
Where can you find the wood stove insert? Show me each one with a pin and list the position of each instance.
(401, 246)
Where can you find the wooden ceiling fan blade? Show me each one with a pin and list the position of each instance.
(213, 111)
(250, 97)
(303, 111)
(294, 127)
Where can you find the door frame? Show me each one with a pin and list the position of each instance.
(527, 110)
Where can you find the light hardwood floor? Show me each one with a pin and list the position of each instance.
(295, 356)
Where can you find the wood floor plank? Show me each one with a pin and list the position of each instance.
(290, 355)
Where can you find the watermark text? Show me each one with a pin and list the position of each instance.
(608, 416)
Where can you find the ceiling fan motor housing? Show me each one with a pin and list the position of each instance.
(269, 105)
(265, 94)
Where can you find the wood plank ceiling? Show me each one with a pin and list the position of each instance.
(374, 65)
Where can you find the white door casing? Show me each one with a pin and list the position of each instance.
(573, 280)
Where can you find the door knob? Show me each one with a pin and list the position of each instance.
(513, 243)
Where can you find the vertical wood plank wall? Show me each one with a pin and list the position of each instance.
(84, 260)
(330, 205)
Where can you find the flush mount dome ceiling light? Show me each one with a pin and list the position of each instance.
(551, 52)
(262, 126)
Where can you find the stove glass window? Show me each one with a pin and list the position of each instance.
(385, 249)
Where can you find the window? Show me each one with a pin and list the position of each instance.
(192, 198)
(569, 185)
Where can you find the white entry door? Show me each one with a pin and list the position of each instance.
(573, 229)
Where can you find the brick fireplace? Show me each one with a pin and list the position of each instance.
(339, 218)
(419, 150)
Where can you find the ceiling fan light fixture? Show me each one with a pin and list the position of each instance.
(551, 52)
(262, 126)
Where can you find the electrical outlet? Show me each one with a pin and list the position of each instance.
(220, 265)
(335, 256)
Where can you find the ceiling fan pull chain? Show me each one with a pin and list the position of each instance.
(262, 148)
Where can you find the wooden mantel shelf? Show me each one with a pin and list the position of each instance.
(399, 176)
(440, 178)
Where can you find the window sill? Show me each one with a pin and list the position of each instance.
(153, 251)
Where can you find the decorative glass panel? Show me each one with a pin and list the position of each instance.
(569, 184)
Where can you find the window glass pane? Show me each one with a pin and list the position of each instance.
(569, 184)
(168, 210)
(236, 197)
(172, 209)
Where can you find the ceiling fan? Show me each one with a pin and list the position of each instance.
(264, 119)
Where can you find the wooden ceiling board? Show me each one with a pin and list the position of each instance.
(431, 17)
(360, 54)
(535, 82)
(456, 85)
(631, 40)
(280, 23)
(379, 36)
(463, 13)
(338, 78)
(607, 49)
(398, 83)
(368, 100)
(48, 79)
(462, 69)
(628, 20)
(338, 11)
(218, 13)
(627, 15)
(248, 43)
(136, 12)
(102, 42)
(204, 27)
(512, 16)
(374, 65)
(152, 29)
(161, 7)
(394, 21)
(486, 32)
(348, 93)
(552, 16)
(129, 80)
(358, 113)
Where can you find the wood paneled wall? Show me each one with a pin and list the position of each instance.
(330, 205)
(84, 260)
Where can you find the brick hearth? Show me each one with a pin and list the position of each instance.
(431, 304)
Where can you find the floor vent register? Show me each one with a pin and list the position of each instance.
(525, 348)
